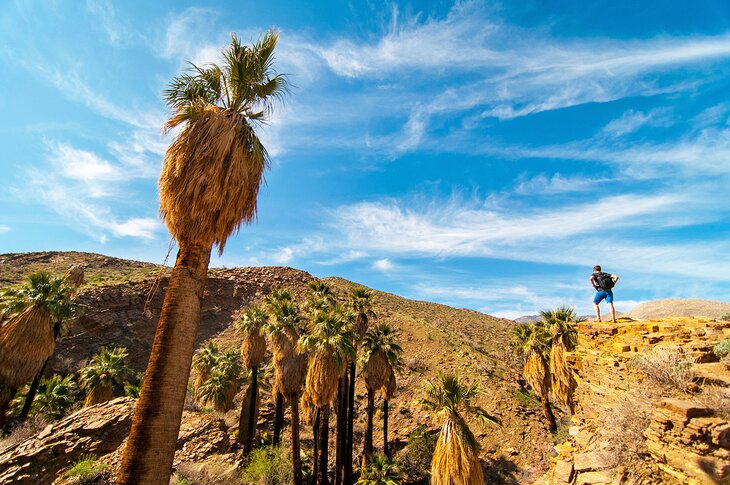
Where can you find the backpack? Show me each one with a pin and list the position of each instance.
(604, 281)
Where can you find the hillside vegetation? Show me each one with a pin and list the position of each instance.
(680, 307)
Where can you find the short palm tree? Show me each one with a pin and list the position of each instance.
(209, 187)
(55, 395)
(28, 338)
(131, 389)
(381, 358)
(222, 385)
(105, 370)
(290, 366)
(561, 325)
(253, 350)
(204, 359)
(532, 343)
(456, 457)
(380, 471)
(330, 344)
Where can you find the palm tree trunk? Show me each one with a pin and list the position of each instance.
(548, 411)
(315, 453)
(350, 439)
(278, 418)
(342, 392)
(32, 391)
(368, 450)
(324, 423)
(249, 416)
(386, 451)
(295, 451)
(156, 424)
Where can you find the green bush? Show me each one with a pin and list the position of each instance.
(414, 461)
(526, 399)
(268, 466)
(87, 469)
(722, 349)
(725, 317)
(380, 471)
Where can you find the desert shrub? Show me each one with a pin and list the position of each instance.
(178, 479)
(86, 470)
(380, 471)
(526, 399)
(414, 461)
(722, 349)
(31, 427)
(716, 398)
(268, 466)
(725, 317)
(668, 366)
(622, 432)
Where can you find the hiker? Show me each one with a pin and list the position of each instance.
(603, 283)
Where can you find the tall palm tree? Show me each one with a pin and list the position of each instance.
(381, 358)
(222, 385)
(105, 370)
(28, 337)
(388, 392)
(456, 457)
(204, 359)
(290, 365)
(330, 344)
(72, 279)
(253, 351)
(359, 301)
(532, 343)
(209, 186)
(561, 325)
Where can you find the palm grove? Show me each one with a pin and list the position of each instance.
(306, 355)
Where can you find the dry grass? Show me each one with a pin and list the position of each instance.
(31, 427)
(668, 366)
(716, 398)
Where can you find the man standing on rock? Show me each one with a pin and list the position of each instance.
(603, 283)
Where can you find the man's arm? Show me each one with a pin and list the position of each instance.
(592, 279)
(614, 278)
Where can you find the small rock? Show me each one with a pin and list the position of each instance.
(594, 478)
(564, 471)
(574, 430)
(586, 462)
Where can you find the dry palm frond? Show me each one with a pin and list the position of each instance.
(26, 341)
(211, 176)
(537, 373)
(563, 383)
(382, 355)
(456, 457)
(360, 305)
(322, 377)
(99, 394)
(388, 391)
(376, 370)
(74, 276)
(251, 324)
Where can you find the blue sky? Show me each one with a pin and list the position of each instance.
(480, 154)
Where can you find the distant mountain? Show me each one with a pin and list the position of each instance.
(680, 307)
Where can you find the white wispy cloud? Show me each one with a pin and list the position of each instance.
(632, 120)
(4, 229)
(384, 264)
(556, 184)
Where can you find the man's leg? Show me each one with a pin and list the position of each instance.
(598, 312)
(613, 312)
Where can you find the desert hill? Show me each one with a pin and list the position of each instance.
(679, 307)
(122, 301)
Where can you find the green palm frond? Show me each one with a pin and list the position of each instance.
(205, 357)
(284, 317)
(380, 471)
(383, 338)
(332, 331)
(42, 290)
(106, 368)
(245, 83)
(253, 319)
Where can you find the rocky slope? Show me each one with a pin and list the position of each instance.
(630, 428)
(123, 309)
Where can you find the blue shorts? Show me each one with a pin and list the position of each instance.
(608, 295)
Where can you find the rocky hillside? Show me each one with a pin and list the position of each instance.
(653, 405)
(680, 307)
(123, 300)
